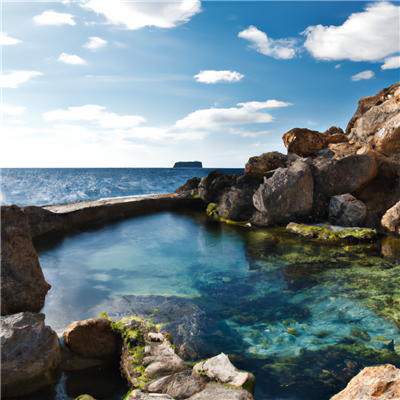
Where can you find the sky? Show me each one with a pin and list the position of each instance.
(145, 84)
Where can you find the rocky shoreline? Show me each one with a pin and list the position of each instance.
(350, 180)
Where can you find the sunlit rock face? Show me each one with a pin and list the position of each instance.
(391, 219)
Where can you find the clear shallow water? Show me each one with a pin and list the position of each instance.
(40, 186)
(304, 317)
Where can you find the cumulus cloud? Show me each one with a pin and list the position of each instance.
(211, 76)
(95, 114)
(95, 43)
(279, 49)
(15, 78)
(391, 63)
(136, 15)
(71, 59)
(12, 110)
(54, 18)
(365, 36)
(259, 105)
(363, 75)
(6, 40)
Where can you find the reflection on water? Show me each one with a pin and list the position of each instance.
(304, 317)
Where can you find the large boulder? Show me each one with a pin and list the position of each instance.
(381, 383)
(30, 354)
(258, 166)
(391, 219)
(377, 121)
(304, 142)
(190, 185)
(286, 196)
(213, 185)
(93, 338)
(346, 210)
(23, 287)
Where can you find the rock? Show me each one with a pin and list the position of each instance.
(391, 219)
(331, 232)
(377, 121)
(139, 395)
(236, 203)
(92, 338)
(304, 142)
(191, 184)
(258, 167)
(164, 364)
(381, 383)
(391, 248)
(338, 138)
(334, 177)
(30, 354)
(180, 386)
(214, 391)
(346, 210)
(85, 397)
(286, 196)
(212, 186)
(333, 130)
(23, 287)
(342, 150)
(220, 369)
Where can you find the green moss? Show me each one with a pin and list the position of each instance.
(137, 354)
(85, 397)
(292, 332)
(196, 196)
(250, 383)
(237, 223)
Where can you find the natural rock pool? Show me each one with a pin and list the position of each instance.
(302, 315)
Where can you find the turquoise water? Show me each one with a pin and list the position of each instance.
(304, 317)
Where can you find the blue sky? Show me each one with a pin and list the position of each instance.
(146, 84)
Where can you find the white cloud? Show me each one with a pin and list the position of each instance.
(259, 105)
(54, 18)
(245, 133)
(211, 76)
(95, 114)
(12, 110)
(366, 36)
(6, 40)
(136, 15)
(279, 49)
(363, 75)
(95, 43)
(338, 66)
(15, 78)
(391, 63)
(71, 59)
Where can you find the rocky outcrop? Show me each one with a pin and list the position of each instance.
(93, 338)
(346, 210)
(304, 142)
(381, 383)
(30, 354)
(23, 287)
(286, 196)
(377, 121)
(191, 185)
(391, 219)
(259, 166)
(211, 187)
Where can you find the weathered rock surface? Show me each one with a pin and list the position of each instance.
(346, 210)
(214, 391)
(92, 338)
(377, 121)
(212, 186)
(191, 184)
(139, 395)
(342, 150)
(334, 130)
(391, 219)
(23, 287)
(259, 166)
(304, 142)
(286, 196)
(372, 383)
(30, 354)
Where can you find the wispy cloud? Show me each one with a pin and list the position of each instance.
(12, 110)
(259, 105)
(391, 63)
(54, 18)
(17, 77)
(363, 75)
(279, 49)
(71, 59)
(211, 76)
(6, 40)
(95, 43)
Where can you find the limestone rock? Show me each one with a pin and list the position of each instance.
(259, 166)
(92, 338)
(372, 383)
(214, 391)
(165, 364)
(286, 196)
(30, 354)
(212, 186)
(391, 219)
(346, 210)
(23, 287)
(304, 142)
(377, 121)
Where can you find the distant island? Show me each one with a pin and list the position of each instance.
(188, 164)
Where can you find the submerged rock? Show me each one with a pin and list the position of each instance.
(30, 354)
(23, 287)
(391, 219)
(346, 210)
(381, 382)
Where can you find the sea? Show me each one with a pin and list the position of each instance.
(302, 315)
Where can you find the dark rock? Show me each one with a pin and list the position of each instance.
(325, 153)
(391, 219)
(346, 210)
(191, 184)
(215, 391)
(211, 187)
(286, 196)
(304, 142)
(258, 167)
(92, 338)
(30, 354)
(23, 287)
